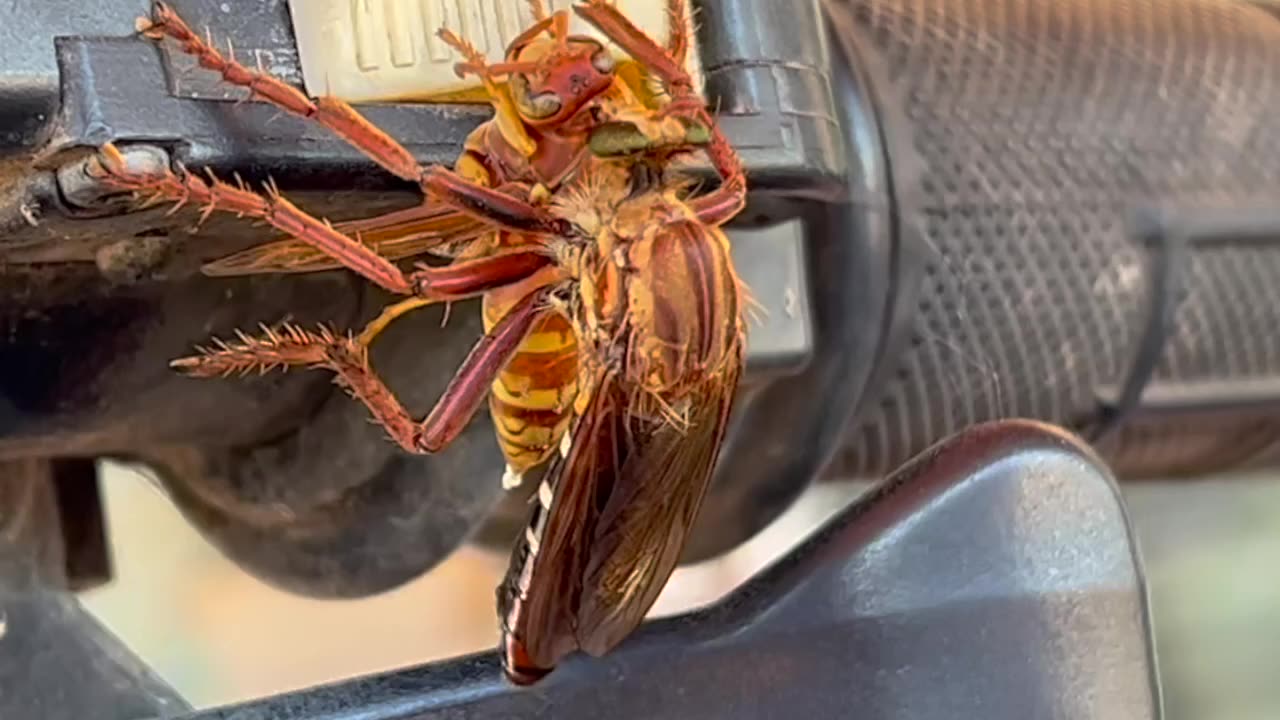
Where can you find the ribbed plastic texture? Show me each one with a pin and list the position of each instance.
(386, 50)
(1023, 138)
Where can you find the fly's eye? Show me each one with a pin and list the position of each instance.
(535, 107)
(603, 62)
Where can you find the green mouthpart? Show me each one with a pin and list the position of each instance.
(614, 139)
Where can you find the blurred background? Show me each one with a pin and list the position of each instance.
(1211, 549)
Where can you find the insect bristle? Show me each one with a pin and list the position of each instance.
(274, 349)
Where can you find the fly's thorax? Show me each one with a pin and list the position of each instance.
(601, 300)
(682, 301)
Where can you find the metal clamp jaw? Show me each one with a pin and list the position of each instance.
(993, 576)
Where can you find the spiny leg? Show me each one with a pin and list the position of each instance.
(343, 120)
(349, 360)
(458, 281)
(335, 114)
(726, 201)
(677, 31)
(181, 187)
(329, 111)
(466, 391)
(609, 20)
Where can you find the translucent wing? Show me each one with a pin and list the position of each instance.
(624, 500)
(537, 600)
(396, 235)
(646, 516)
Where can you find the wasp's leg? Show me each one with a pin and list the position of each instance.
(294, 346)
(608, 19)
(465, 393)
(349, 360)
(462, 280)
(721, 205)
(272, 207)
(677, 31)
(182, 187)
(491, 205)
(330, 112)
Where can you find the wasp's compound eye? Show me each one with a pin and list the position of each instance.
(535, 107)
(603, 61)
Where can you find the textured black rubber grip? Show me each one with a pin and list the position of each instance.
(1091, 190)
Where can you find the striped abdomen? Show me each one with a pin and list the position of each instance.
(532, 399)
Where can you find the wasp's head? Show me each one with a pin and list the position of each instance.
(551, 79)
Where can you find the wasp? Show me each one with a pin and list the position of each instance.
(557, 98)
(632, 259)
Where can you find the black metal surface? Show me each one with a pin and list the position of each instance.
(993, 577)
(29, 80)
(82, 519)
(56, 661)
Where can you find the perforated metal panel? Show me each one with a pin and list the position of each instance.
(1023, 137)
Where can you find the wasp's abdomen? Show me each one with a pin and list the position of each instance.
(532, 399)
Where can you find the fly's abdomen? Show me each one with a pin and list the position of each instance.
(531, 401)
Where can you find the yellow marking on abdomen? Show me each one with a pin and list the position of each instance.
(531, 399)
(548, 399)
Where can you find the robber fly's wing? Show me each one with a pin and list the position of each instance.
(395, 236)
(623, 500)
(538, 599)
(648, 513)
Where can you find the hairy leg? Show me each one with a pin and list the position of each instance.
(343, 120)
(181, 187)
(349, 360)
(331, 112)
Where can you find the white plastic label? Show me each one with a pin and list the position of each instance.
(387, 50)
